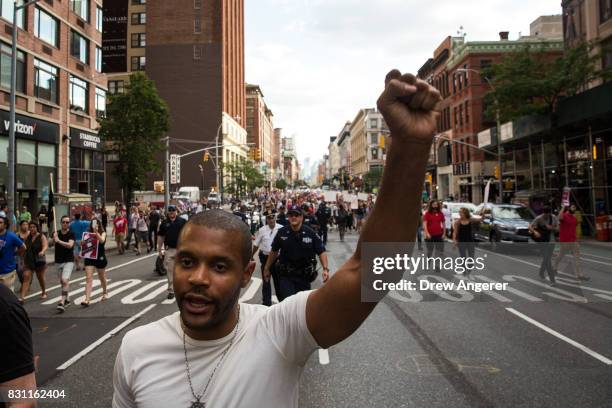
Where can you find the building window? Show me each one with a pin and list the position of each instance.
(455, 116)
(605, 10)
(79, 47)
(100, 103)
(115, 87)
(373, 123)
(46, 27)
(99, 18)
(460, 115)
(138, 63)
(139, 40)
(80, 8)
(197, 4)
(606, 51)
(78, 94)
(466, 75)
(197, 25)
(139, 18)
(373, 138)
(197, 52)
(7, 12)
(139, 1)
(467, 113)
(98, 59)
(45, 81)
(5, 68)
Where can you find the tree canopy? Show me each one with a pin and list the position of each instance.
(532, 80)
(135, 123)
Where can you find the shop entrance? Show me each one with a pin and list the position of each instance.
(28, 199)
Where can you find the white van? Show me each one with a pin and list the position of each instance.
(193, 193)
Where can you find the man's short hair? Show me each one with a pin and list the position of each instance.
(222, 220)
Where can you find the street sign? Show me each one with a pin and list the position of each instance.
(175, 169)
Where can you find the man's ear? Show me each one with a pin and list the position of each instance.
(247, 274)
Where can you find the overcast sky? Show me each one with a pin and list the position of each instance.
(319, 61)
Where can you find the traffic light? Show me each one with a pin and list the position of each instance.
(251, 154)
(497, 172)
(381, 142)
(257, 155)
(594, 152)
(206, 156)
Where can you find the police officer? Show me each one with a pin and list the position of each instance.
(323, 215)
(281, 217)
(309, 219)
(168, 236)
(298, 245)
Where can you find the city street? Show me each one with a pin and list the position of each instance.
(531, 345)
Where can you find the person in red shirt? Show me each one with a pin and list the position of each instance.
(119, 229)
(433, 227)
(567, 239)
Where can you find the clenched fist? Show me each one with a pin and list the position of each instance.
(409, 106)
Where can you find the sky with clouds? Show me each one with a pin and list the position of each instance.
(319, 61)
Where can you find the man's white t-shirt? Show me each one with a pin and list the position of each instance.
(261, 369)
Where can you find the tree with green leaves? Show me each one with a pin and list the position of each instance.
(373, 179)
(280, 184)
(532, 80)
(243, 177)
(135, 123)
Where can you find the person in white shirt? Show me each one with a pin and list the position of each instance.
(263, 242)
(448, 222)
(218, 352)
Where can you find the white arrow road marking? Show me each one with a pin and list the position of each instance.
(323, 356)
(124, 285)
(574, 343)
(102, 339)
(131, 298)
(83, 277)
(73, 293)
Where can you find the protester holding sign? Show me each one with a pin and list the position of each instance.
(92, 250)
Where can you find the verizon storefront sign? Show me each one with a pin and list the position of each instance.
(29, 128)
(84, 140)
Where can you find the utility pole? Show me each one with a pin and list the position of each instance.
(11, 145)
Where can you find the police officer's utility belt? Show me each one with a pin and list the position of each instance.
(307, 271)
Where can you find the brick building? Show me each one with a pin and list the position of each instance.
(260, 130)
(455, 71)
(60, 92)
(194, 52)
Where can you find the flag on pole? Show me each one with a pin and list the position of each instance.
(487, 190)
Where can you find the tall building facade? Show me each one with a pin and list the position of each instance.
(260, 131)
(61, 92)
(195, 55)
(365, 133)
(194, 52)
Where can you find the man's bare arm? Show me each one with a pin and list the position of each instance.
(408, 105)
(26, 382)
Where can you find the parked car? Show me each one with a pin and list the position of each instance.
(454, 207)
(503, 222)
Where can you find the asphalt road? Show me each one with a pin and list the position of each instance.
(529, 346)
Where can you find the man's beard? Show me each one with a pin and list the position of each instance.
(221, 311)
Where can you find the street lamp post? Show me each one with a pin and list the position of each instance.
(498, 125)
(11, 144)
